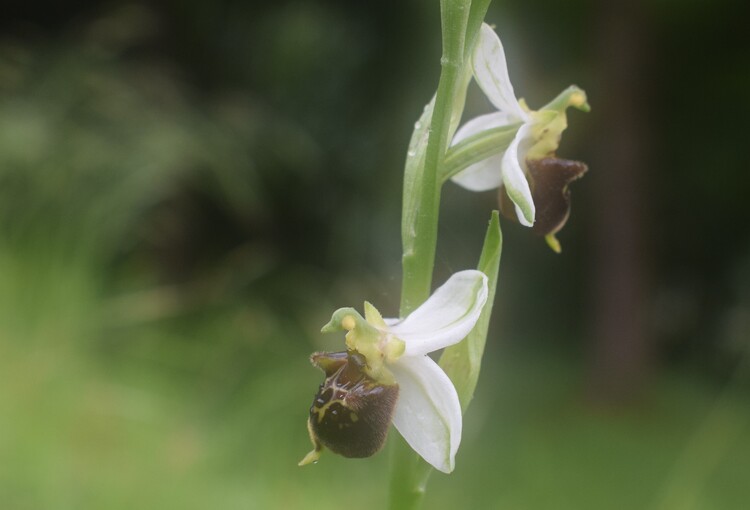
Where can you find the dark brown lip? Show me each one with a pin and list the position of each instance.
(549, 179)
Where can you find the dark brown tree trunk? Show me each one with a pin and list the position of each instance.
(621, 351)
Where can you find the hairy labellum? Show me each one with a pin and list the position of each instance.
(351, 412)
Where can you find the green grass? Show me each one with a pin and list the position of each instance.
(542, 447)
(195, 413)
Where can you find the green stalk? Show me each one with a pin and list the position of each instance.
(409, 473)
(461, 362)
(420, 236)
(422, 180)
(461, 20)
(409, 476)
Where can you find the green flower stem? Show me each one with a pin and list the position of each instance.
(409, 472)
(409, 476)
(461, 20)
(420, 236)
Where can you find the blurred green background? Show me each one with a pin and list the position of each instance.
(189, 189)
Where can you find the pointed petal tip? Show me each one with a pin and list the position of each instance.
(311, 458)
(526, 215)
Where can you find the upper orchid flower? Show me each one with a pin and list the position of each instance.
(386, 374)
(537, 137)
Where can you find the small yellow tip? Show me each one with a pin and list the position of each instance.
(579, 100)
(310, 458)
(553, 243)
(348, 323)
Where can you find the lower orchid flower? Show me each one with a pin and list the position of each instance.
(386, 375)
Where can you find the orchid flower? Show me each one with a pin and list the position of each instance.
(385, 374)
(537, 137)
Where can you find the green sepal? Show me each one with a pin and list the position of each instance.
(463, 360)
(573, 96)
(551, 120)
(338, 318)
(368, 340)
(477, 148)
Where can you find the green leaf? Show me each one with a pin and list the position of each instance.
(463, 360)
(413, 177)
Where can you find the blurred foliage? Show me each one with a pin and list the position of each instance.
(187, 189)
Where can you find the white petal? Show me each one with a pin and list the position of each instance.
(483, 123)
(491, 73)
(428, 413)
(482, 176)
(514, 179)
(446, 317)
(486, 174)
